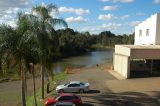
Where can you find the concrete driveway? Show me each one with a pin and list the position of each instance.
(106, 90)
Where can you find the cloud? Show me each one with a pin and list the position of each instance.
(110, 7)
(134, 23)
(76, 19)
(110, 26)
(114, 1)
(8, 19)
(104, 27)
(157, 1)
(13, 3)
(9, 8)
(105, 17)
(12, 10)
(77, 11)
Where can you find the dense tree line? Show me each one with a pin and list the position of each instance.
(107, 38)
(70, 42)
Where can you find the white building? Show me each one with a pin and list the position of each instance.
(148, 32)
(146, 49)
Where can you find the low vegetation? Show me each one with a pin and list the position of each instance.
(57, 78)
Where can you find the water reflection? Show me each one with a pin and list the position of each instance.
(87, 60)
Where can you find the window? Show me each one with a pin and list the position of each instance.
(140, 32)
(74, 85)
(64, 98)
(147, 32)
(82, 83)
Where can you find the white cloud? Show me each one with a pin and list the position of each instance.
(110, 26)
(77, 11)
(134, 23)
(13, 3)
(104, 27)
(157, 1)
(110, 7)
(105, 17)
(114, 1)
(76, 19)
(9, 8)
(12, 10)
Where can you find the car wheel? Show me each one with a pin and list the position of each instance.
(81, 91)
(61, 91)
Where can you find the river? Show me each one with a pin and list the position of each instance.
(86, 60)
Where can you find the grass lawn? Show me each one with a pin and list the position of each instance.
(53, 84)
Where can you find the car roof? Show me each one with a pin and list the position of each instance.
(72, 82)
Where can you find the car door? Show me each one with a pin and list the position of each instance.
(73, 87)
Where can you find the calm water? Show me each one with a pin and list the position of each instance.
(87, 60)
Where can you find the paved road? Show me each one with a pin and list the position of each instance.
(106, 90)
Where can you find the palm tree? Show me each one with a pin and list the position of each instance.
(26, 25)
(48, 24)
(19, 45)
(11, 48)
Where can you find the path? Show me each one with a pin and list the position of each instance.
(106, 90)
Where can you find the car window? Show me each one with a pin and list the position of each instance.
(64, 98)
(82, 83)
(74, 85)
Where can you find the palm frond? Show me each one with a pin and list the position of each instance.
(52, 7)
(56, 21)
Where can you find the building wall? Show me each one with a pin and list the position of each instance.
(158, 30)
(151, 25)
(120, 49)
(121, 65)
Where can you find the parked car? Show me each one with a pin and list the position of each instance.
(64, 97)
(63, 104)
(74, 86)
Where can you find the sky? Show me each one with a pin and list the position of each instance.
(118, 16)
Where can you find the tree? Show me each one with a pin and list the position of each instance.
(48, 24)
(19, 45)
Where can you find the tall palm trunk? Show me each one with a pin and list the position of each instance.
(34, 85)
(48, 82)
(25, 82)
(42, 80)
(23, 85)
